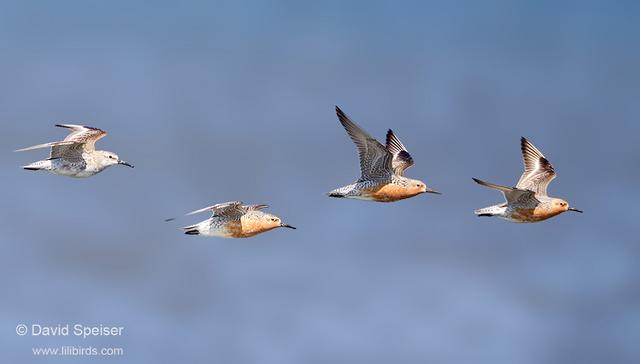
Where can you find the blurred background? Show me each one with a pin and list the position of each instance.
(218, 101)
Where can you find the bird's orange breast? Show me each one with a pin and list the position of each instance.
(245, 228)
(533, 215)
(387, 193)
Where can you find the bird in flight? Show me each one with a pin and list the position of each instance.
(528, 200)
(381, 168)
(76, 155)
(234, 220)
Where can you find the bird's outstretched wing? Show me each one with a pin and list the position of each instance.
(538, 172)
(231, 209)
(511, 194)
(401, 157)
(86, 135)
(81, 138)
(46, 145)
(375, 160)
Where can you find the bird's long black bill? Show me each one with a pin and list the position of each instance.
(287, 226)
(575, 210)
(125, 164)
(434, 192)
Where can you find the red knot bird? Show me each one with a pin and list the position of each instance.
(381, 168)
(76, 155)
(528, 200)
(234, 220)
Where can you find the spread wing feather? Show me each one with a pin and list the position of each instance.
(81, 138)
(510, 194)
(538, 172)
(401, 157)
(86, 135)
(232, 209)
(375, 160)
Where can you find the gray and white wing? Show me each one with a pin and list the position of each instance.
(511, 194)
(233, 209)
(81, 138)
(375, 160)
(45, 145)
(69, 152)
(401, 157)
(538, 172)
(255, 207)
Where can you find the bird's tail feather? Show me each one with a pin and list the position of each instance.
(490, 211)
(191, 230)
(36, 166)
(341, 191)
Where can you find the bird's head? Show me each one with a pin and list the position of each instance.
(109, 159)
(416, 187)
(271, 222)
(561, 205)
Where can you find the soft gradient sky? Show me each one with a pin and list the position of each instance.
(218, 101)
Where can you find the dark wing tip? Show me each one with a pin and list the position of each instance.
(341, 115)
(404, 156)
(531, 153)
(545, 164)
(349, 125)
(84, 126)
(92, 128)
(478, 181)
(393, 144)
(389, 136)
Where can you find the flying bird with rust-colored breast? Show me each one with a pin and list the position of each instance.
(528, 200)
(234, 220)
(381, 168)
(76, 155)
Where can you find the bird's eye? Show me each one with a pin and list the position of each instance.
(110, 157)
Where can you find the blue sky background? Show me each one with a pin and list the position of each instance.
(218, 101)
